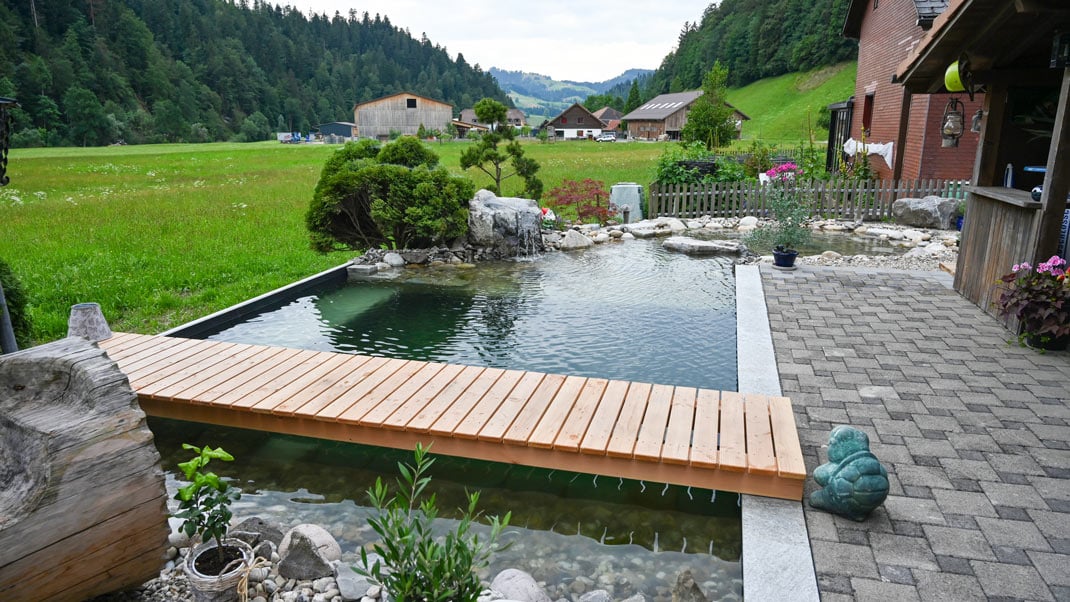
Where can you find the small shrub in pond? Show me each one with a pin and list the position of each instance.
(415, 564)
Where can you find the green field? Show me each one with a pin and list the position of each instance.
(162, 234)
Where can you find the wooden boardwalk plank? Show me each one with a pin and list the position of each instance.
(556, 414)
(530, 415)
(179, 364)
(598, 433)
(400, 396)
(369, 372)
(658, 433)
(786, 439)
(511, 408)
(707, 429)
(583, 411)
(431, 412)
(652, 430)
(367, 402)
(255, 385)
(677, 447)
(448, 421)
(301, 390)
(433, 390)
(488, 405)
(626, 431)
(733, 449)
(193, 368)
(760, 459)
(258, 362)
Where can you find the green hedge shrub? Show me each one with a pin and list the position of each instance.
(16, 305)
(393, 197)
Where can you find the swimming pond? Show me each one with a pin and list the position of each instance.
(629, 311)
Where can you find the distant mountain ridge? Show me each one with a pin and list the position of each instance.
(539, 94)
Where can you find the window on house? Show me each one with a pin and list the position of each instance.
(580, 119)
(564, 120)
(867, 114)
(410, 103)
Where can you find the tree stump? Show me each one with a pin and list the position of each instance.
(83, 504)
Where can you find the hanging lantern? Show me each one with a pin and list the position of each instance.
(978, 119)
(953, 123)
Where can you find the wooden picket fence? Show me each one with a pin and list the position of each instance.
(842, 199)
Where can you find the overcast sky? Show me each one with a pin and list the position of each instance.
(579, 40)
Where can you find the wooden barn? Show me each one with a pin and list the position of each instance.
(664, 116)
(402, 114)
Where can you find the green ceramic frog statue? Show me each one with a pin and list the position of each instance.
(853, 482)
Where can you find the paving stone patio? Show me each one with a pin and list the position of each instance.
(975, 434)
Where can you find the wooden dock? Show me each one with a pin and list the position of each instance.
(681, 435)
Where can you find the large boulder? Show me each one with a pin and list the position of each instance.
(693, 246)
(507, 226)
(514, 584)
(308, 552)
(929, 212)
(573, 241)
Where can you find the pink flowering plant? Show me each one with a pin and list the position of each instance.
(1039, 298)
(789, 211)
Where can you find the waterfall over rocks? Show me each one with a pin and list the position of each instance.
(505, 226)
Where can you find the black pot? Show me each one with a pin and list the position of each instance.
(784, 259)
(1051, 344)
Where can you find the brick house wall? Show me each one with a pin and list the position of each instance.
(889, 31)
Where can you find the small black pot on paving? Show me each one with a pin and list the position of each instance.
(784, 258)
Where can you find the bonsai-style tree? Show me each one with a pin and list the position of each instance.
(492, 160)
(204, 503)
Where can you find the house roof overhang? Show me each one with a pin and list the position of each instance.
(1004, 40)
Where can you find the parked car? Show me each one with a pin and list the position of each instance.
(606, 137)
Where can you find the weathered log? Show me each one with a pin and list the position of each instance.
(83, 505)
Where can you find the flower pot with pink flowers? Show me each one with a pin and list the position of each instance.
(1039, 298)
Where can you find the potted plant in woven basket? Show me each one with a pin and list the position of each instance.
(215, 565)
(1040, 300)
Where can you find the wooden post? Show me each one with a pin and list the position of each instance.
(1056, 180)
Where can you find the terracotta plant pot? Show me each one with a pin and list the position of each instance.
(222, 587)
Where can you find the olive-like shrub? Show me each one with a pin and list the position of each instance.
(16, 305)
(393, 196)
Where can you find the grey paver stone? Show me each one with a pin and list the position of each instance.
(1017, 463)
(1015, 533)
(1051, 524)
(923, 476)
(869, 590)
(1054, 568)
(975, 442)
(918, 510)
(844, 559)
(1021, 496)
(1049, 488)
(976, 504)
(968, 469)
(1011, 581)
(898, 550)
(961, 543)
(947, 587)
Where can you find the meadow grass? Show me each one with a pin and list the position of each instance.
(163, 234)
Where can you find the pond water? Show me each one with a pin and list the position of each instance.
(629, 311)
